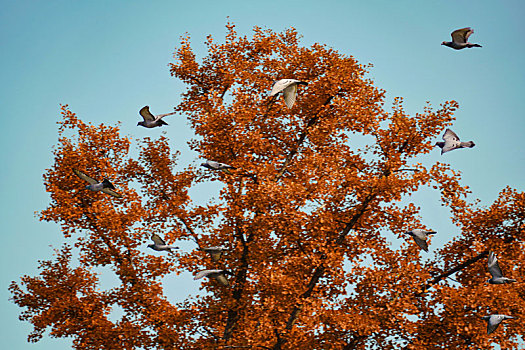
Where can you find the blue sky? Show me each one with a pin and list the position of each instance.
(106, 59)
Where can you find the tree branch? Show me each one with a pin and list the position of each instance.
(451, 271)
(319, 270)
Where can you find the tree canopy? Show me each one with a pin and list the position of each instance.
(303, 214)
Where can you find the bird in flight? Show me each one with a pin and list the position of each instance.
(218, 275)
(289, 89)
(159, 244)
(213, 165)
(420, 237)
(104, 186)
(452, 142)
(150, 120)
(493, 321)
(215, 252)
(460, 39)
(495, 271)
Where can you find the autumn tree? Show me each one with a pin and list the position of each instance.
(304, 214)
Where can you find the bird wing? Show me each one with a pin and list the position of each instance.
(492, 324)
(494, 268)
(84, 177)
(460, 36)
(215, 254)
(450, 135)
(213, 164)
(449, 146)
(422, 243)
(111, 192)
(146, 114)
(202, 274)
(222, 279)
(160, 116)
(279, 86)
(290, 95)
(157, 239)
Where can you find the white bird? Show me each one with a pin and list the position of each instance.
(213, 165)
(104, 186)
(289, 89)
(495, 271)
(493, 321)
(215, 252)
(150, 120)
(452, 142)
(218, 275)
(460, 39)
(160, 245)
(420, 237)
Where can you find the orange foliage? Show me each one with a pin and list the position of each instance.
(304, 215)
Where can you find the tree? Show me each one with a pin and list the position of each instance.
(305, 214)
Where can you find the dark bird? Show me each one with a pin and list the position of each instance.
(460, 39)
(493, 321)
(420, 237)
(452, 142)
(495, 271)
(213, 165)
(160, 245)
(150, 120)
(104, 186)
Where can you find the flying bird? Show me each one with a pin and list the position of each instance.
(460, 39)
(420, 237)
(210, 164)
(452, 142)
(150, 120)
(495, 271)
(218, 275)
(493, 321)
(215, 252)
(159, 244)
(289, 89)
(104, 186)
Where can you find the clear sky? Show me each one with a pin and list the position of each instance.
(107, 59)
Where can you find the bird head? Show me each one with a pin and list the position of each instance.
(443, 43)
(151, 246)
(140, 123)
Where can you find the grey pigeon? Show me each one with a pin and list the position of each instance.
(460, 39)
(159, 244)
(420, 237)
(493, 321)
(210, 164)
(150, 120)
(452, 142)
(495, 271)
(218, 275)
(104, 186)
(289, 89)
(215, 252)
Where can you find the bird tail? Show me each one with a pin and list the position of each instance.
(107, 184)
